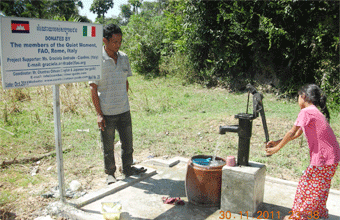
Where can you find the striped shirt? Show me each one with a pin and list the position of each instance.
(112, 92)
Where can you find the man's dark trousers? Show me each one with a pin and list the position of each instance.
(121, 123)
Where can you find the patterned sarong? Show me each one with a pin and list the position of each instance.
(312, 193)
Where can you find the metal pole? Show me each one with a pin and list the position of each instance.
(58, 145)
(248, 102)
(244, 135)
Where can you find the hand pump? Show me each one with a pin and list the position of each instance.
(244, 128)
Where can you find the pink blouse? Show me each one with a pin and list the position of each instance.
(323, 146)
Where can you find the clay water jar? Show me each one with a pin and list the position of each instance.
(203, 183)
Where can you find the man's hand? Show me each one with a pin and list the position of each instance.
(101, 122)
(96, 103)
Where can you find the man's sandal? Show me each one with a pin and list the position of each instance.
(110, 179)
(134, 171)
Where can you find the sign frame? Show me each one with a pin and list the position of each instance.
(94, 69)
(40, 52)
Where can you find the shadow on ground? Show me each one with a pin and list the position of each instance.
(171, 188)
(188, 211)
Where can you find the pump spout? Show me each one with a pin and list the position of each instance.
(229, 128)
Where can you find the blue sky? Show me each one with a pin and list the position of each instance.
(112, 12)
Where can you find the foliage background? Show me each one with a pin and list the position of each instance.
(43, 9)
(176, 47)
(280, 45)
(283, 44)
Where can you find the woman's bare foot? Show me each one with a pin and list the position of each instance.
(286, 217)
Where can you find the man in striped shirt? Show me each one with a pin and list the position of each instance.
(110, 98)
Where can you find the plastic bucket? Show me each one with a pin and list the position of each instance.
(203, 182)
(111, 210)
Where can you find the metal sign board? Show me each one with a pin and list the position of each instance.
(37, 52)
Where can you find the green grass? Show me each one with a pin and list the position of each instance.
(7, 196)
(169, 118)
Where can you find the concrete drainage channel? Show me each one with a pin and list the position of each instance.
(141, 197)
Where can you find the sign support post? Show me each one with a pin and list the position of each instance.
(58, 143)
(37, 52)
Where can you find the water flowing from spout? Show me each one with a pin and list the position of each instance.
(213, 162)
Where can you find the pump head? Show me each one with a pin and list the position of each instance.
(244, 128)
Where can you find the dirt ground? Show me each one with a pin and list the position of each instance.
(34, 205)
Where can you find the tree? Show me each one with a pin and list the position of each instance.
(143, 37)
(84, 19)
(23, 8)
(162, 4)
(150, 8)
(35, 9)
(287, 42)
(66, 8)
(44, 9)
(100, 7)
(12, 8)
(126, 12)
(135, 5)
(282, 43)
(113, 20)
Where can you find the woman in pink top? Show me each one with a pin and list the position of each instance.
(312, 191)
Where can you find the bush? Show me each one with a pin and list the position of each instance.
(327, 76)
(291, 43)
(143, 37)
(177, 65)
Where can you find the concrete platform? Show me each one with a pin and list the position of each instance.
(141, 198)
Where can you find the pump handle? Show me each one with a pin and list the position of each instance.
(258, 107)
